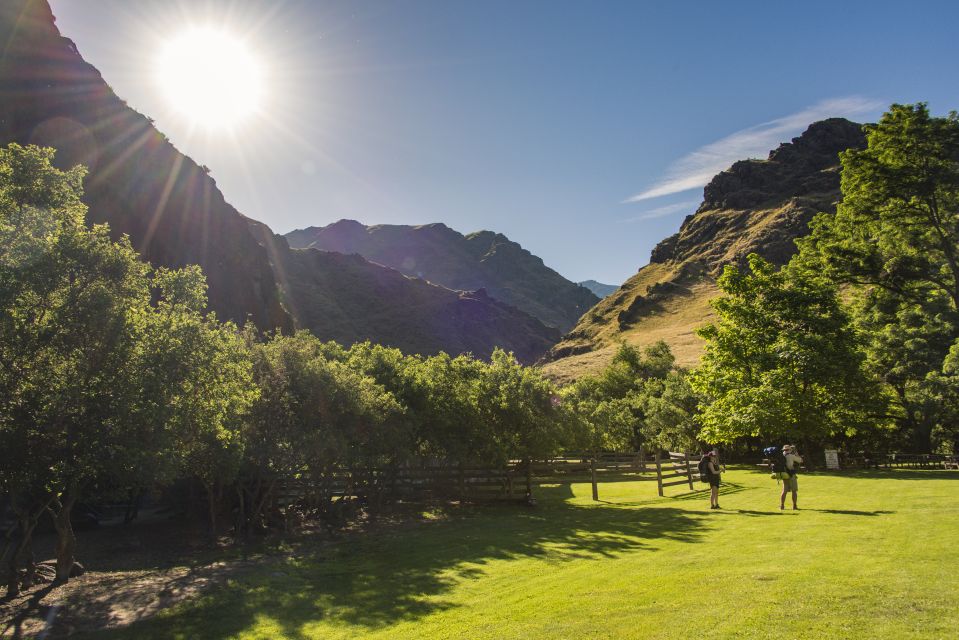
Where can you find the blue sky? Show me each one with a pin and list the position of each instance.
(582, 130)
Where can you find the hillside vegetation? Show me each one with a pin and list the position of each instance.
(756, 206)
(349, 299)
(479, 260)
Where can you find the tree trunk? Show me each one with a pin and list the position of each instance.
(17, 551)
(529, 480)
(241, 528)
(66, 539)
(212, 506)
(592, 477)
(30, 564)
(12, 550)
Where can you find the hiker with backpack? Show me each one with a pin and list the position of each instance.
(709, 472)
(784, 464)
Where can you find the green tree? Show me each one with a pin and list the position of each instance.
(199, 374)
(670, 412)
(66, 296)
(782, 361)
(624, 408)
(894, 241)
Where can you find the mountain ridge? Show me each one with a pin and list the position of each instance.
(175, 215)
(466, 262)
(754, 206)
(599, 289)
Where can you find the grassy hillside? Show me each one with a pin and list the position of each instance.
(870, 555)
(480, 260)
(349, 299)
(756, 206)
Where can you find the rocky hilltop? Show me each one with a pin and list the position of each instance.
(480, 260)
(755, 206)
(175, 215)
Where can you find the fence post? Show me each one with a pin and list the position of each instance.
(659, 474)
(592, 473)
(529, 480)
(689, 473)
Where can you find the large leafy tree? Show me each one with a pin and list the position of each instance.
(782, 360)
(894, 241)
(99, 385)
(66, 338)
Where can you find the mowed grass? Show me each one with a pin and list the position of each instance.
(869, 555)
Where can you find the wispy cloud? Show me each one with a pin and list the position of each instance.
(667, 210)
(696, 169)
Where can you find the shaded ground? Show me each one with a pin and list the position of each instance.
(868, 554)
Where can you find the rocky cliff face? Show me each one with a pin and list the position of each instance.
(138, 182)
(799, 179)
(480, 260)
(755, 206)
(175, 215)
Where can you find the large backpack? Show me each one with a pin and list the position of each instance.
(704, 472)
(777, 460)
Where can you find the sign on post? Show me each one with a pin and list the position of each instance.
(832, 459)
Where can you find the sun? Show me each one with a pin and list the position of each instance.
(210, 77)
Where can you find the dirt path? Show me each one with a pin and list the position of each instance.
(132, 573)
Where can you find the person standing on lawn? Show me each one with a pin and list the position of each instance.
(715, 469)
(789, 476)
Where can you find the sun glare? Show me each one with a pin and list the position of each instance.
(210, 77)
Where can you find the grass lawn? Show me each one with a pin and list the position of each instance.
(871, 555)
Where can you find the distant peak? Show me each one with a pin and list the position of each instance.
(345, 223)
(825, 138)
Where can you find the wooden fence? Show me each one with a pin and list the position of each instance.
(481, 484)
(670, 470)
(901, 461)
(413, 483)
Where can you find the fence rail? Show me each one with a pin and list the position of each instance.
(472, 483)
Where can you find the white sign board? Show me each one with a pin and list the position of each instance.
(832, 459)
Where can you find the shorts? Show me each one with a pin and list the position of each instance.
(713, 481)
(791, 482)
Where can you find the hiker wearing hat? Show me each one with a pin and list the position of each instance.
(790, 481)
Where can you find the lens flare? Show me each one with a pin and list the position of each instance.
(210, 77)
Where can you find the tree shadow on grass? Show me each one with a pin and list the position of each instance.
(375, 581)
(778, 512)
(895, 474)
(851, 512)
(726, 489)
